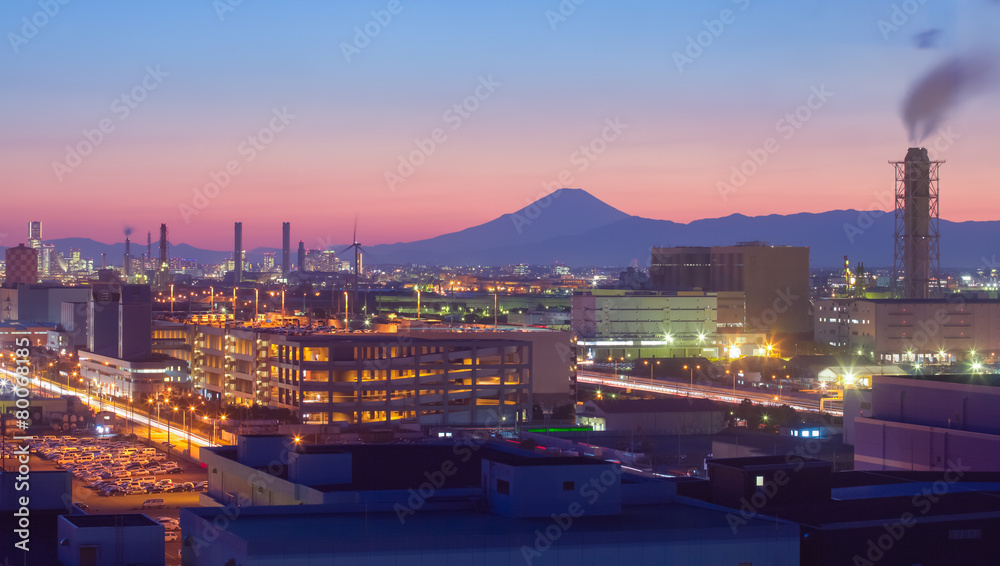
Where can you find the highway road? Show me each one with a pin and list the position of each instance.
(144, 426)
(723, 394)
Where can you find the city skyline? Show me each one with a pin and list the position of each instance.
(322, 113)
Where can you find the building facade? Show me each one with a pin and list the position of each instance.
(957, 328)
(636, 324)
(774, 280)
(430, 377)
(929, 422)
(21, 266)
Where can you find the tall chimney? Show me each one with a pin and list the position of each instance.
(286, 253)
(917, 256)
(238, 254)
(302, 256)
(164, 262)
(128, 258)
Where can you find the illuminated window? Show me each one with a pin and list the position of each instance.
(760, 481)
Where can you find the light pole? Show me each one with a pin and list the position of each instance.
(169, 415)
(651, 367)
(149, 418)
(191, 409)
(691, 386)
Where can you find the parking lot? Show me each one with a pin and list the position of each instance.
(115, 475)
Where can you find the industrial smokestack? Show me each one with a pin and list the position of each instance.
(163, 246)
(286, 248)
(127, 264)
(238, 254)
(917, 256)
(302, 256)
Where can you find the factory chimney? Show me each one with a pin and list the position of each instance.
(238, 255)
(916, 258)
(302, 256)
(127, 264)
(286, 253)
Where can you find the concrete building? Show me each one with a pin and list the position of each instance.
(426, 377)
(119, 321)
(922, 423)
(653, 416)
(920, 330)
(471, 502)
(774, 280)
(637, 324)
(131, 379)
(21, 266)
(110, 540)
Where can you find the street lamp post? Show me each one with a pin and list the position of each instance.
(191, 409)
(651, 367)
(691, 385)
(169, 415)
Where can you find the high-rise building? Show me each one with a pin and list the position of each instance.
(22, 266)
(774, 279)
(119, 321)
(268, 262)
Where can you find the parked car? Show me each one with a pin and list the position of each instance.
(170, 536)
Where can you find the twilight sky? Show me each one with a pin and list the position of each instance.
(318, 122)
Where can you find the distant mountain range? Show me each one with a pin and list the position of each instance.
(572, 227)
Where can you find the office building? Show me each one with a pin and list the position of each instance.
(774, 280)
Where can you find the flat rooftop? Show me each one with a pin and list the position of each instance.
(122, 519)
(984, 379)
(403, 466)
(264, 528)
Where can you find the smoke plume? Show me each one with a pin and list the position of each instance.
(941, 90)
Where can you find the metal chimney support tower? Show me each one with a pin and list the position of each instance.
(916, 265)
